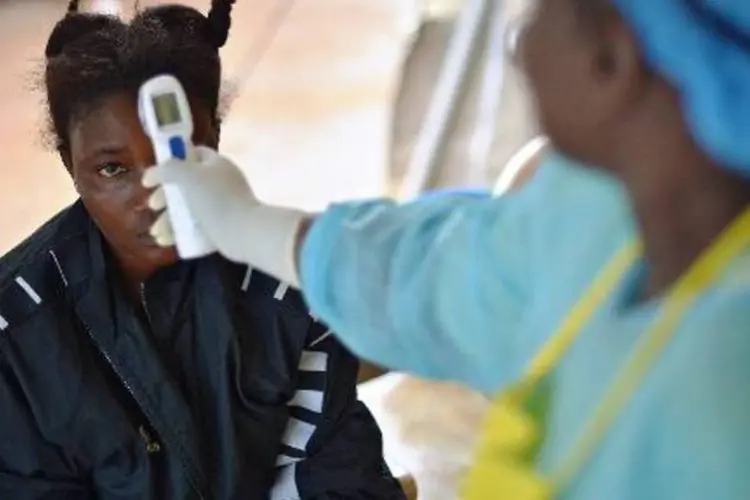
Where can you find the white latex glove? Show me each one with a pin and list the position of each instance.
(221, 200)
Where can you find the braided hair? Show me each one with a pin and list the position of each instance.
(91, 56)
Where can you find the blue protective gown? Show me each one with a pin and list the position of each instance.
(468, 287)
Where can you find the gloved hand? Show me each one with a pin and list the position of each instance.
(221, 200)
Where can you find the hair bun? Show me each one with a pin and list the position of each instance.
(72, 27)
(219, 22)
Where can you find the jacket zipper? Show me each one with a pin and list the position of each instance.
(130, 390)
(152, 445)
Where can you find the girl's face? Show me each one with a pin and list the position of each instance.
(109, 152)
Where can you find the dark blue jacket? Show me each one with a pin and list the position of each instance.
(227, 389)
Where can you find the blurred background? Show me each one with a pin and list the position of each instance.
(327, 100)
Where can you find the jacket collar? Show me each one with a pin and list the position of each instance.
(84, 270)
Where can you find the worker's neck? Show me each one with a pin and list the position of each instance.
(681, 205)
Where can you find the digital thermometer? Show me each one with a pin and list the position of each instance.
(166, 118)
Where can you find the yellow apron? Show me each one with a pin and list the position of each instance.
(514, 426)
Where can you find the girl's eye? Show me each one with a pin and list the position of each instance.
(110, 170)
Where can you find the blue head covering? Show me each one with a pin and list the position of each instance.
(702, 47)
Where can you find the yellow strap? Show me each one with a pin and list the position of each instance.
(706, 270)
(504, 480)
(582, 311)
(508, 428)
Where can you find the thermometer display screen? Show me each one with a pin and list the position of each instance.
(166, 109)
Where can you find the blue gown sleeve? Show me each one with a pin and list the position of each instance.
(442, 287)
(419, 287)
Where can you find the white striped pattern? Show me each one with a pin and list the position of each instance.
(281, 291)
(313, 361)
(59, 267)
(297, 434)
(308, 399)
(321, 338)
(246, 279)
(285, 487)
(283, 460)
(29, 291)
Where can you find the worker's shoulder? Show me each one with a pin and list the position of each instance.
(713, 342)
(30, 273)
